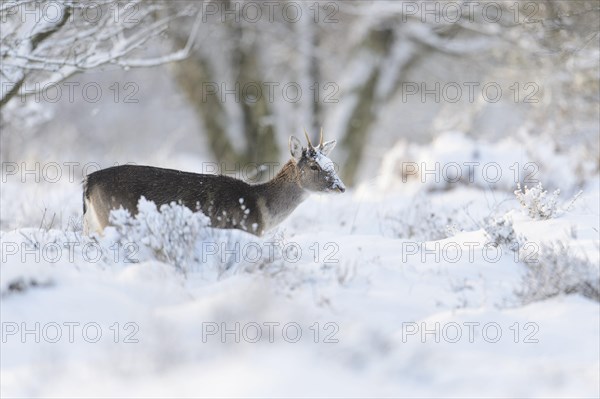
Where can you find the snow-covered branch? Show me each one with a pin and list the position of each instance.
(50, 41)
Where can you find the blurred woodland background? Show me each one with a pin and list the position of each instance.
(229, 81)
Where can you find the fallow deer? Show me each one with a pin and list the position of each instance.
(229, 203)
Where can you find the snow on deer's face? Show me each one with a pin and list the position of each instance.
(317, 172)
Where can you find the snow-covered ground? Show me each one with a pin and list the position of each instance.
(391, 289)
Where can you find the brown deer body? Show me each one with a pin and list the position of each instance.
(228, 202)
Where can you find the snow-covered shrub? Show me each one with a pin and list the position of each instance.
(500, 232)
(421, 221)
(540, 205)
(174, 234)
(37, 258)
(231, 251)
(536, 201)
(170, 233)
(555, 270)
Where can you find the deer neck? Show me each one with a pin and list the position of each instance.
(281, 195)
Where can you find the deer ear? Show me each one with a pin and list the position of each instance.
(295, 147)
(327, 147)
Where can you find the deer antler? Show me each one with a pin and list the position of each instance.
(308, 139)
(321, 139)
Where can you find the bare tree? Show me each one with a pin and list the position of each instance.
(385, 42)
(542, 37)
(44, 42)
(225, 82)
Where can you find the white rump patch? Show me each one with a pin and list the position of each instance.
(91, 222)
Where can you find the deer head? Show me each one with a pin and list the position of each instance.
(316, 172)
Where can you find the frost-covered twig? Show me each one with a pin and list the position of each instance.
(555, 270)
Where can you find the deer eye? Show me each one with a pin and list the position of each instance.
(314, 167)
